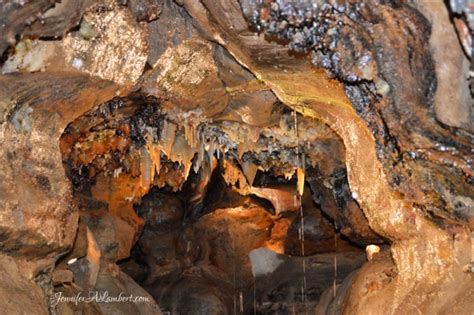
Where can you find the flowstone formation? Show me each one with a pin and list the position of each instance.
(236, 157)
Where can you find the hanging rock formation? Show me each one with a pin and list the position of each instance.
(236, 156)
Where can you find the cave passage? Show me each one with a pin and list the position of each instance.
(215, 221)
(236, 157)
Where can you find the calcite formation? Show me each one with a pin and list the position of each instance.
(245, 157)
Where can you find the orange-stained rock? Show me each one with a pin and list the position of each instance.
(420, 248)
(119, 193)
(197, 179)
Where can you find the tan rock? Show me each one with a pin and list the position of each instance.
(110, 44)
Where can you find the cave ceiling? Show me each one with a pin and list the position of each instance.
(161, 148)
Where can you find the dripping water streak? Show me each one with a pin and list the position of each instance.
(301, 164)
(255, 298)
(241, 299)
(335, 263)
(234, 280)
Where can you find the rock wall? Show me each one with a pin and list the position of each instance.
(154, 134)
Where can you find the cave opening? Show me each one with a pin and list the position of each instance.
(214, 216)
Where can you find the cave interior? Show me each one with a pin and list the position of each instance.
(237, 157)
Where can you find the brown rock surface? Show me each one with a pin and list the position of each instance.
(240, 158)
(20, 295)
(37, 215)
(16, 15)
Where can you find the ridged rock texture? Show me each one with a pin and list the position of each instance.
(237, 156)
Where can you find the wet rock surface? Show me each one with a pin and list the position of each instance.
(226, 259)
(250, 157)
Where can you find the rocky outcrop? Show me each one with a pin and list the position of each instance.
(236, 156)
